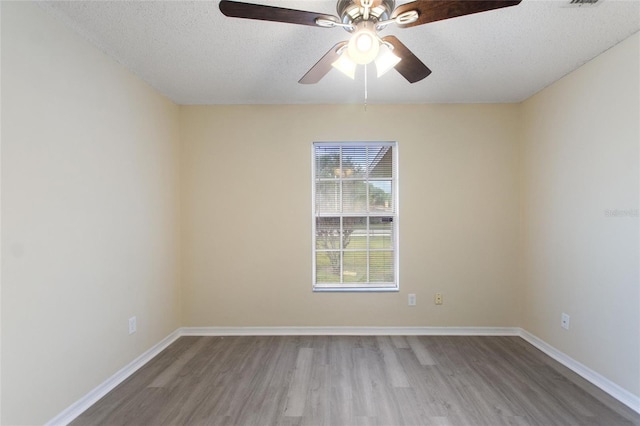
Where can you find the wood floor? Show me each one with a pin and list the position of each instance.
(355, 380)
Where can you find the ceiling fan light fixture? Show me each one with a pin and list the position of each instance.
(364, 46)
(345, 65)
(386, 60)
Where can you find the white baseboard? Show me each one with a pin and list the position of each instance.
(350, 331)
(627, 398)
(78, 407)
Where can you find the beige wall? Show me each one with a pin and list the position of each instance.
(580, 158)
(246, 177)
(89, 216)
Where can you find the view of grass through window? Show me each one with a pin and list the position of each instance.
(355, 215)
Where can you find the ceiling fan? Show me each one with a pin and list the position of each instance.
(364, 19)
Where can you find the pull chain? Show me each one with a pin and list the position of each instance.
(365, 87)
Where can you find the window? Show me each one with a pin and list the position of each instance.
(355, 216)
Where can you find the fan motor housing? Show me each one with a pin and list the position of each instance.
(351, 13)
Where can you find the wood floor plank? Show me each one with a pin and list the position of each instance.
(263, 395)
(318, 397)
(413, 412)
(387, 410)
(355, 380)
(341, 390)
(429, 384)
(165, 378)
(197, 395)
(393, 368)
(400, 342)
(118, 399)
(423, 355)
(297, 395)
(361, 383)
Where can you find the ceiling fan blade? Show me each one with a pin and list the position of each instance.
(235, 9)
(437, 10)
(410, 67)
(323, 66)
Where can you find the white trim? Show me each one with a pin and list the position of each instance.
(624, 396)
(81, 405)
(77, 408)
(350, 331)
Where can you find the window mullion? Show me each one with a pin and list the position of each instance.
(368, 249)
(341, 210)
(340, 183)
(366, 185)
(341, 250)
(366, 178)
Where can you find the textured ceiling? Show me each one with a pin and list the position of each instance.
(193, 54)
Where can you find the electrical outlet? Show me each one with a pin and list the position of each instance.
(438, 299)
(132, 325)
(564, 321)
(412, 300)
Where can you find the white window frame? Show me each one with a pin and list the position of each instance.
(369, 286)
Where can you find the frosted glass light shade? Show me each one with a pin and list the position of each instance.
(386, 60)
(345, 65)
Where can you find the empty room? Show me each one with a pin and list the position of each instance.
(352, 212)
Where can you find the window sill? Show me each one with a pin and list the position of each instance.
(345, 289)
